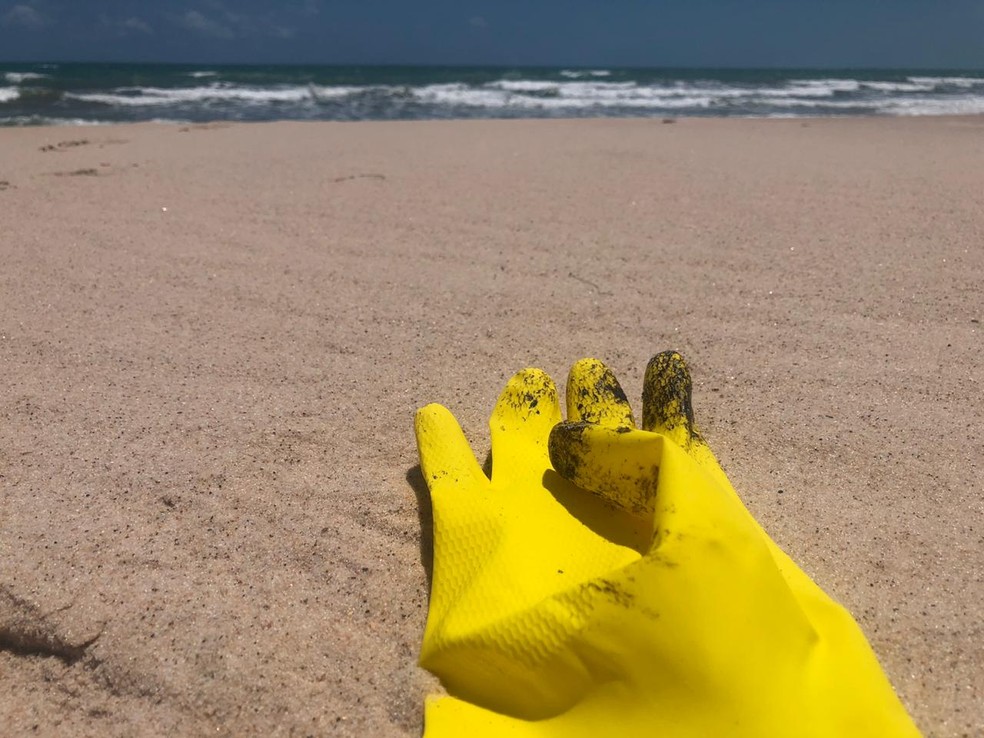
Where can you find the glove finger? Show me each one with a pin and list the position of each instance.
(618, 464)
(595, 396)
(520, 427)
(667, 399)
(667, 409)
(446, 458)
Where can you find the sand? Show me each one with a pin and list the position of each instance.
(213, 340)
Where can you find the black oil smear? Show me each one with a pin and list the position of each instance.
(667, 395)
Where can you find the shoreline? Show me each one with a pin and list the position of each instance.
(506, 120)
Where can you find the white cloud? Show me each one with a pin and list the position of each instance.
(126, 26)
(23, 15)
(220, 22)
(136, 24)
(195, 21)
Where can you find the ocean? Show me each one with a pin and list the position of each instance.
(45, 94)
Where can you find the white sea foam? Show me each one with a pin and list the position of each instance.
(676, 95)
(8, 93)
(568, 96)
(524, 85)
(734, 92)
(457, 93)
(824, 87)
(572, 93)
(565, 89)
(894, 106)
(15, 78)
(145, 96)
(935, 106)
(581, 73)
(39, 120)
(899, 86)
(816, 104)
(953, 81)
(336, 92)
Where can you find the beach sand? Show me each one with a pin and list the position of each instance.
(213, 340)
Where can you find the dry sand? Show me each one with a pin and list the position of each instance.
(213, 340)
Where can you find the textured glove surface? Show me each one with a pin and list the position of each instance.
(655, 606)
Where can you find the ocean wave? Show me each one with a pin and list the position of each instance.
(823, 87)
(524, 85)
(677, 95)
(581, 73)
(894, 107)
(459, 93)
(778, 93)
(324, 93)
(157, 96)
(569, 89)
(359, 94)
(935, 106)
(569, 96)
(855, 104)
(701, 88)
(898, 86)
(965, 82)
(15, 121)
(15, 78)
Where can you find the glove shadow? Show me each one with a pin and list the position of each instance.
(612, 523)
(425, 515)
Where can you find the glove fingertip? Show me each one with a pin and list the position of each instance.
(595, 396)
(566, 448)
(527, 406)
(431, 419)
(444, 451)
(667, 398)
(619, 464)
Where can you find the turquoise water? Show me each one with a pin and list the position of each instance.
(38, 94)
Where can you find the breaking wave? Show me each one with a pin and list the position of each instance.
(138, 93)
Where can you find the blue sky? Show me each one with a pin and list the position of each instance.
(783, 33)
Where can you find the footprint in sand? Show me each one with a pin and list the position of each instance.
(62, 145)
(104, 168)
(88, 172)
(204, 127)
(367, 175)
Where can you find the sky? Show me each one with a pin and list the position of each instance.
(929, 34)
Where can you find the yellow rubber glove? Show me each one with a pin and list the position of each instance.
(711, 631)
(505, 546)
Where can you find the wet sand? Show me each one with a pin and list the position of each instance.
(213, 340)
